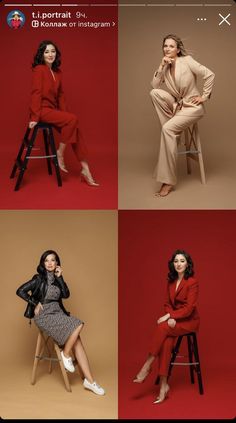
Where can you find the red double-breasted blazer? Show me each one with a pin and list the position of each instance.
(182, 303)
(46, 91)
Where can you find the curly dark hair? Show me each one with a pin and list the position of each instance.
(172, 275)
(41, 267)
(38, 58)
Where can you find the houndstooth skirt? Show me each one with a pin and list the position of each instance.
(55, 323)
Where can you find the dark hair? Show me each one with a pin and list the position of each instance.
(41, 267)
(172, 275)
(179, 44)
(39, 60)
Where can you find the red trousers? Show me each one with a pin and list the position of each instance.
(164, 338)
(67, 124)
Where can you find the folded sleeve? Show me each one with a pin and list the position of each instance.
(61, 97)
(189, 303)
(158, 79)
(206, 74)
(167, 305)
(25, 288)
(65, 293)
(36, 94)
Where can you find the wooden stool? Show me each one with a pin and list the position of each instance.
(193, 365)
(43, 342)
(193, 149)
(28, 144)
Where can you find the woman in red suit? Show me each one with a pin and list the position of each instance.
(181, 317)
(48, 105)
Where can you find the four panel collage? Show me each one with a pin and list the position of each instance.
(117, 209)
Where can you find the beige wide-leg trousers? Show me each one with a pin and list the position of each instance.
(173, 124)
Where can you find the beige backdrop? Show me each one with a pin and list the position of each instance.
(86, 242)
(141, 31)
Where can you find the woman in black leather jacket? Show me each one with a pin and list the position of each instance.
(47, 289)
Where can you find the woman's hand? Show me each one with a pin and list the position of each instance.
(166, 61)
(163, 318)
(37, 309)
(171, 323)
(58, 271)
(32, 124)
(197, 100)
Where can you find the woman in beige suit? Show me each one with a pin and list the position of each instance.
(178, 107)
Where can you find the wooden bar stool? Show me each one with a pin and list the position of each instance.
(193, 149)
(192, 353)
(28, 144)
(43, 343)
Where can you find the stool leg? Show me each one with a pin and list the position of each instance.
(198, 368)
(55, 161)
(26, 158)
(46, 341)
(45, 138)
(187, 146)
(63, 370)
(36, 358)
(190, 357)
(200, 159)
(175, 352)
(18, 158)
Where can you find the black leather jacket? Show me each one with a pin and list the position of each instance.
(38, 288)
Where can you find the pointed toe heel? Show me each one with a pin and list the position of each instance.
(160, 400)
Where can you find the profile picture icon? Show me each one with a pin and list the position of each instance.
(15, 19)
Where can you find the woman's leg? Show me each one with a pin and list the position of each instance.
(145, 370)
(164, 389)
(72, 340)
(82, 359)
(165, 355)
(70, 134)
(161, 332)
(167, 161)
(60, 156)
(164, 362)
(172, 127)
(163, 103)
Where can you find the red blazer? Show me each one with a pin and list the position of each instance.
(181, 304)
(46, 92)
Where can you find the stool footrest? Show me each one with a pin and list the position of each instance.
(41, 157)
(184, 364)
(46, 358)
(189, 152)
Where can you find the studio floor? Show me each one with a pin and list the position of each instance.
(137, 187)
(48, 398)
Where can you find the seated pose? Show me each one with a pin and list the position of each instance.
(181, 317)
(48, 105)
(47, 290)
(179, 107)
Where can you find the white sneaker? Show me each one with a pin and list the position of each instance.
(93, 387)
(68, 363)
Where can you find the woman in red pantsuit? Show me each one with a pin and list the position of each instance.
(181, 317)
(48, 105)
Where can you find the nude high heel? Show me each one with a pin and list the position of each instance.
(159, 400)
(87, 177)
(138, 379)
(61, 163)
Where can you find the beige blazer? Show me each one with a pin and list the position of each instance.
(183, 86)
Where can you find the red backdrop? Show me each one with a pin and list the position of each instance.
(147, 240)
(89, 65)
